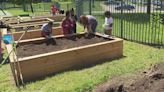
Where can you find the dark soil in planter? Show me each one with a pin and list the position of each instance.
(52, 45)
(147, 81)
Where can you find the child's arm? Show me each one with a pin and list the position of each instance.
(89, 30)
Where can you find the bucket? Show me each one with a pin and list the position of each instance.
(7, 39)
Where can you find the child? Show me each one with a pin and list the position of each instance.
(73, 19)
(67, 24)
(89, 22)
(108, 23)
(53, 10)
(46, 30)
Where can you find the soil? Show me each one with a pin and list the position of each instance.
(52, 45)
(147, 81)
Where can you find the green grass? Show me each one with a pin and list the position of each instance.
(17, 11)
(136, 57)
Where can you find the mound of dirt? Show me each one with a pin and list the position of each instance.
(147, 81)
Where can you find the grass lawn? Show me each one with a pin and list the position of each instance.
(17, 11)
(136, 57)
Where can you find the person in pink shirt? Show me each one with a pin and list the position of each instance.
(67, 24)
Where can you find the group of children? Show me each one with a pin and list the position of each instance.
(89, 23)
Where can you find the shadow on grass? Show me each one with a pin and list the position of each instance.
(78, 68)
(158, 46)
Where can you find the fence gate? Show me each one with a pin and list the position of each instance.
(135, 20)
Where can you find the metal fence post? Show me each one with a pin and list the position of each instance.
(121, 20)
(79, 8)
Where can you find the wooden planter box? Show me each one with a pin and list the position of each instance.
(14, 20)
(39, 66)
(35, 33)
(31, 24)
(9, 20)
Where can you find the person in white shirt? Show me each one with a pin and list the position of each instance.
(108, 23)
(46, 30)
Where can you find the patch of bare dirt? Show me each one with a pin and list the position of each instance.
(147, 81)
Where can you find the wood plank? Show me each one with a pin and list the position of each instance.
(38, 66)
(57, 63)
(36, 34)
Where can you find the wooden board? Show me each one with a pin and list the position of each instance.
(39, 66)
(35, 33)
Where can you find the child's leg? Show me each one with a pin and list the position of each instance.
(108, 31)
(93, 27)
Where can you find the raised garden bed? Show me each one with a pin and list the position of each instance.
(33, 26)
(31, 34)
(56, 18)
(58, 44)
(36, 59)
(9, 20)
(16, 20)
